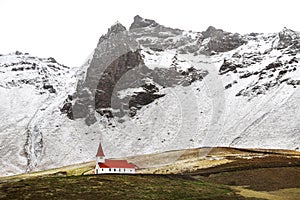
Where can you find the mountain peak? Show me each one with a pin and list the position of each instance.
(288, 37)
(286, 30)
(212, 31)
(211, 28)
(139, 22)
(117, 27)
(288, 34)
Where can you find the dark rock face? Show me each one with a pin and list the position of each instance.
(273, 66)
(140, 22)
(139, 99)
(228, 66)
(112, 49)
(171, 77)
(67, 107)
(50, 88)
(221, 41)
(112, 75)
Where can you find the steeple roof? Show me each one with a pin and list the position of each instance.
(100, 152)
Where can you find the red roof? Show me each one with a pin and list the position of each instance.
(100, 151)
(116, 164)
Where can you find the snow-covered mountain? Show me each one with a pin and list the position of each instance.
(150, 89)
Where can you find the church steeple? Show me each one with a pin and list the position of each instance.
(100, 155)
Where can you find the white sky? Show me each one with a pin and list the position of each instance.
(68, 30)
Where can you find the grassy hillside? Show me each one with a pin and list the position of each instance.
(224, 173)
(115, 187)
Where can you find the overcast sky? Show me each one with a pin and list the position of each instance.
(68, 30)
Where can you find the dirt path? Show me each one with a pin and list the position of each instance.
(283, 194)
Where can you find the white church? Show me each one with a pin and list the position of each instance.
(107, 166)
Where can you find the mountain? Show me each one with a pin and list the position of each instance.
(149, 89)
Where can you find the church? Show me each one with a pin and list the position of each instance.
(109, 166)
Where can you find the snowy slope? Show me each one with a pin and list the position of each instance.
(28, 87)
(164, 89)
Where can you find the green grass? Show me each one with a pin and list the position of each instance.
(114, 187)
